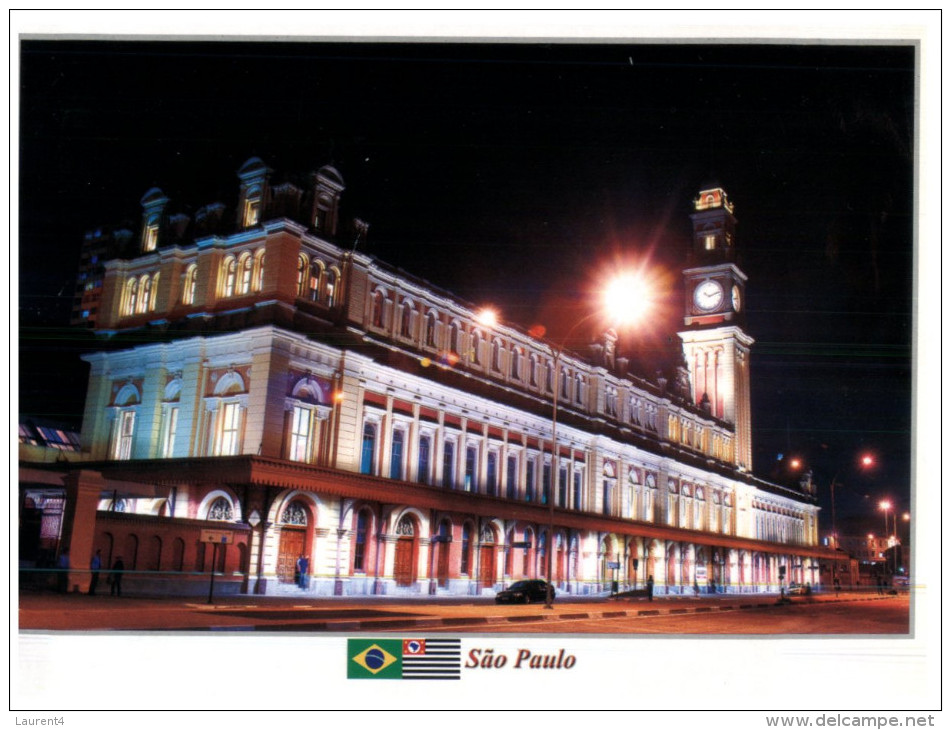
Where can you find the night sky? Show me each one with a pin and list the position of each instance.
(511, 174)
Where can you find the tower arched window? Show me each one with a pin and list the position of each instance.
(245, 266)
(431, 329)
(145, 294)
(229, 272)
(257, 276)
(190, 284)
(313, 284)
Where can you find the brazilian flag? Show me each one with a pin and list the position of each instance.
(374, 658)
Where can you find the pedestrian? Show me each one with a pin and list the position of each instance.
(650, 588)
(305, 573)
(297, 567)
(881, 586)
(837, 584)
(95, 565)
(117, 568)
(62, 572)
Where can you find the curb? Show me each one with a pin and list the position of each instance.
(344, 626)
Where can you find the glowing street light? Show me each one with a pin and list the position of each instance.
(626, 298)
(487, 317)
(885, 505)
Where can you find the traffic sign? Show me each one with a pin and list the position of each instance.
(218, 537)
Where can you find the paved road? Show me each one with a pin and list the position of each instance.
(880, 617)
(732, 614)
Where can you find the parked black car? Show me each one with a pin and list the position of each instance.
(524, 591)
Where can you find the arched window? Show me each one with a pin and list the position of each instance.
(221, 510)
(515, 365)
(454, 338)
(229, 271)
(245, 268)
(548, 376)
(145, 294)
(565, 383)
(475, 347)
(331, 277)
(190, 284)
(313, 284)
(431, 329)
(153, 296)
(496, 356)
(579, 388)
(533, 370)
(378, 316)
(129, 295)
(406, 319)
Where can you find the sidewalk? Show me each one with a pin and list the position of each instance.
(76, 612)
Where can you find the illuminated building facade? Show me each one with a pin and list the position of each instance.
(269, 380)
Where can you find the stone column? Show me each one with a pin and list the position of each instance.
(83, 490)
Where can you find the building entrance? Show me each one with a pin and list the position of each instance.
(291, 548)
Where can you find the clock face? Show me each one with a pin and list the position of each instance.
(737, 299)
(708, 295)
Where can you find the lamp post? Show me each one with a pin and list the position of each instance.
(625, 300)
(885, 505)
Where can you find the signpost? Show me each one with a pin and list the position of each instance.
(215, 538)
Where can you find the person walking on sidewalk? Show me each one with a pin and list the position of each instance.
(95, 565)
(650, 588)
(117, 569)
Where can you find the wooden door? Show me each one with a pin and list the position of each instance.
(487, 565)
(442, 564)
(404, 567)
(291, 548)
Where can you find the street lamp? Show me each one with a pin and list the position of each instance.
(626, 299)
(885, 505)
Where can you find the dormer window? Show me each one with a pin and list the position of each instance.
(709, 243)
(150, 239)
(252, 212)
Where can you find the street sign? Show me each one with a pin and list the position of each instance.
(614, 565)
(218, 537)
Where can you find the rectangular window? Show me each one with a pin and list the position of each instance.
(606, 506)
(562, 486)
(576, 498)
(151, 238)
(449, 464)
(422, 466)
(229, 429)
(470, 468)
(396, 456)
(491, 475)
(530, 480)
(546, 483)
(300, 443)
(168, 434)
(368, 449)
(359, 550)
(511, 478)
(122, 446)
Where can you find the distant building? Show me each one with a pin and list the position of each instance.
(261, 378)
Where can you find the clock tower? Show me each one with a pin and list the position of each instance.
(715, 346)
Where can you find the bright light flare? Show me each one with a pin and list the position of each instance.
(627, 298)
(885, 505)
(867, 460)
(487, 317)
